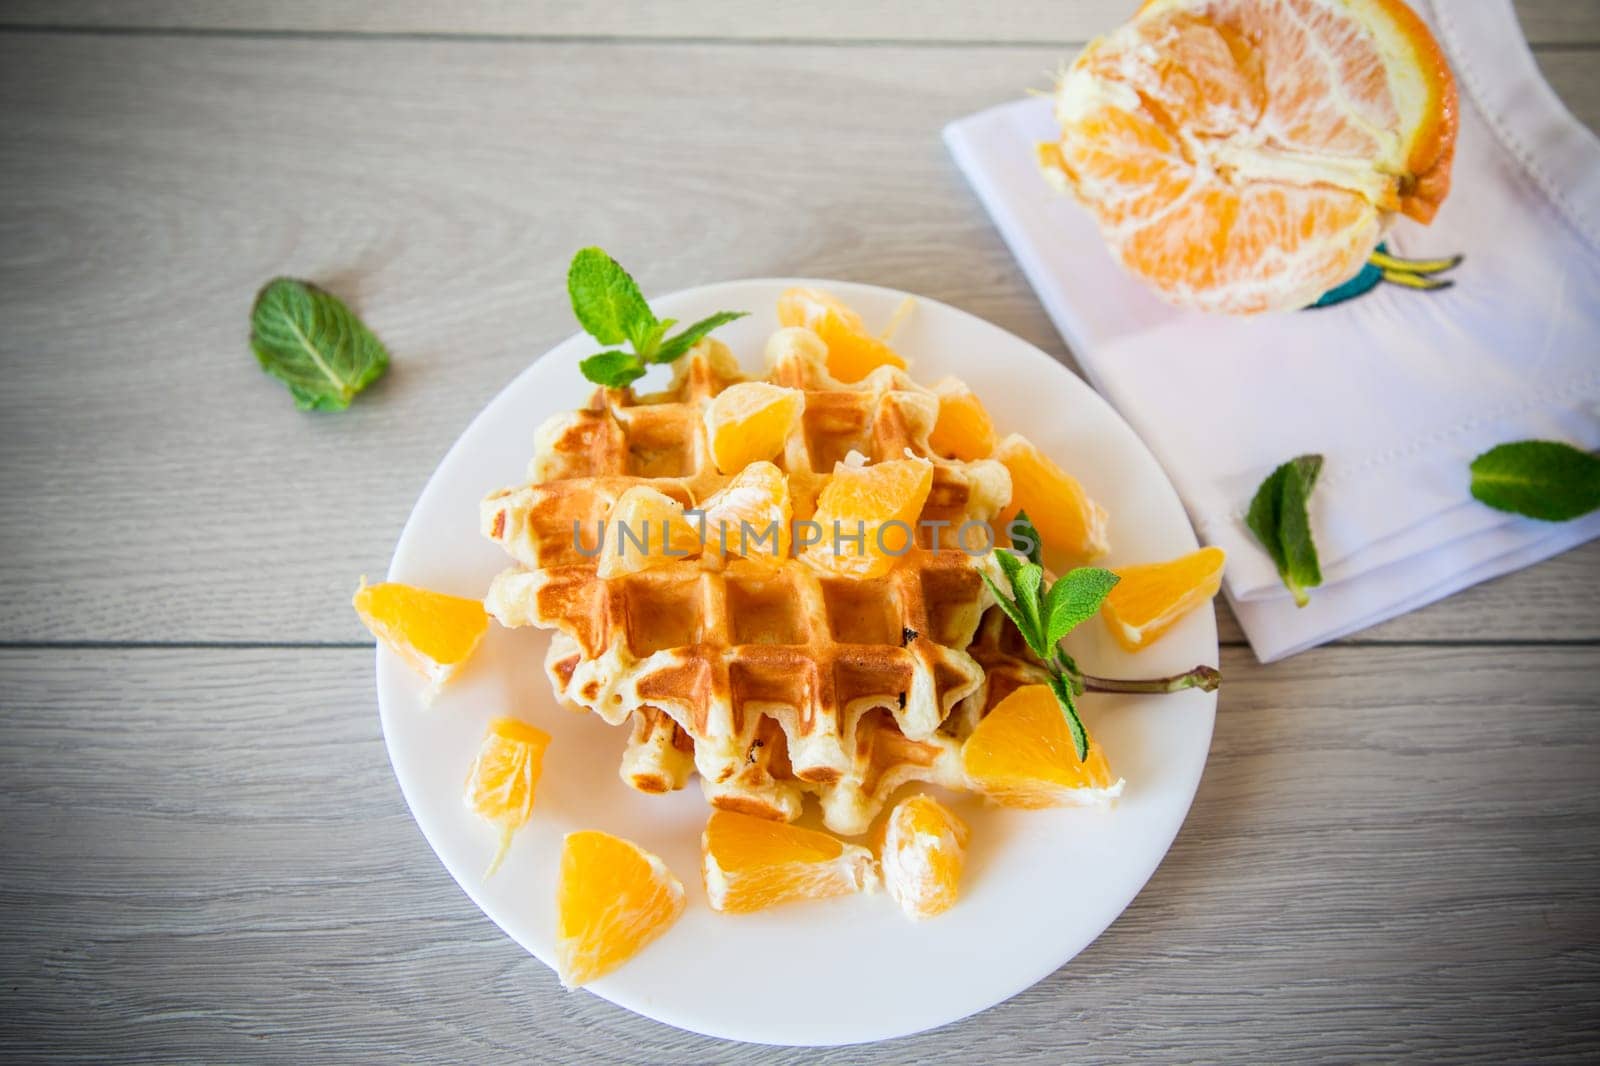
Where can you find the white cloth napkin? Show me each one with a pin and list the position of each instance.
(1398, 389)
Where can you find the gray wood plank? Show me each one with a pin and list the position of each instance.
(1017, 21)
(207, 859)
(162, 489)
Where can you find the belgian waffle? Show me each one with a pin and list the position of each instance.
(659, 755)
(769, 678)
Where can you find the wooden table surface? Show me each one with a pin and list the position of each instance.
(1396, 844)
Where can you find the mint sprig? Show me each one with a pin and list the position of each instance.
(1043, 616)
(1280, 519)
(1541, 479)
(612, 310)
(308, 339)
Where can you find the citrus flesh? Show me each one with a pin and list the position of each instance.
(645, 529)
(1069, 521)
(853, 353)
(433, 632)
(750, 515)
(1021, 755)
(964, 430)
(1245, 155)
(751, 863)
(1150, 599)
(613, 899)
(503, 778)
(867, 516)
(749, 422)
(923, 851)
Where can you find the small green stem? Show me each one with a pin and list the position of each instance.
(1204, 678)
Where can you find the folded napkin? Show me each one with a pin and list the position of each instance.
(1398, 389)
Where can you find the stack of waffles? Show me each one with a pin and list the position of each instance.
(770, 677)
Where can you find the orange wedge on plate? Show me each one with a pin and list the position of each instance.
(1070, 522)
(1021, 755)
(501, 784)
(613, 899)
(750, 515)
(1247, 156)
(645, 529)
(923, 850)
(1151, 598)
(866, 515)
(749, 422)
(964, 430)
(750, 863)
(433, 632)
(853, 353)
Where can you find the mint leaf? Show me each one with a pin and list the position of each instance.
(1025, 538)
(676, 346)
(1074, 599)
(1009, 606)
(1280, 520)
(1541, 479)
(1027, 583)
(606, 300)
(1009, 562)
(1069, 710)
(614, 370)
(308, 339)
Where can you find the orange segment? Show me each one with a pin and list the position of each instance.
(750, 863)
(853, 353)
(964, 430)
(750, 421)
(613, 899)
(1150, 598)
(645, 529)
(433, 632)
(1021, 755)
(924, 848)
(750, 515)
(503, 778)
(1245, 155)
(855, 511)
(1068, 520)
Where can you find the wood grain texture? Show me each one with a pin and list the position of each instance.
(207, 859)
(160, 488)
(1016, 21)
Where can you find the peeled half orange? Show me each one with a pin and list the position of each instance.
(1245, 155)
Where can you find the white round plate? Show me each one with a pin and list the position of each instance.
(1039, 885)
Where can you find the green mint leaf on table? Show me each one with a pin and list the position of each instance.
(1062, 687)
(309, 340)
(692, 335)
(1279, 518)
(1075, 599)
(1022, 533)
(612, 310)
(608, 303)
(1541, 479)
(614, 369)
